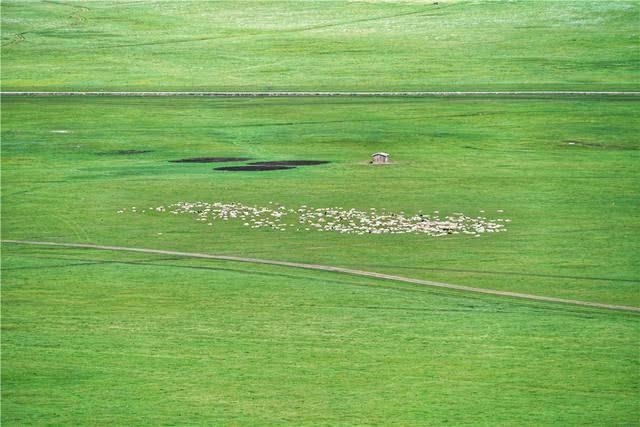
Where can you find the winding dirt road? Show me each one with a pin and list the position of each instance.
(333, 269)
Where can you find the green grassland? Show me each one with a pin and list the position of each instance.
(106, 338)
(93, 338)
(563, 171)
(320, 45)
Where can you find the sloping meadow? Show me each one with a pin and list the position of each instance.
(97, 337)
(561, 174)
(320, 45)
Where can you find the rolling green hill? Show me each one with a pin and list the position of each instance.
(320, 45)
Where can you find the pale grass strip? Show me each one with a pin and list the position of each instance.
(409, 94)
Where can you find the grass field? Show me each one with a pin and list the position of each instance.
(118, 339)
(320, 45)
(574, 230)
(101, 338)
(216, 342)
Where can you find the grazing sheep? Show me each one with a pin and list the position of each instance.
(337, 219)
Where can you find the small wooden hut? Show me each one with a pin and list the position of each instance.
(380, 158)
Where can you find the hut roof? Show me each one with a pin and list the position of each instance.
(380, 154)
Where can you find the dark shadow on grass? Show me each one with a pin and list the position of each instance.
(158, 262)
(470, 302)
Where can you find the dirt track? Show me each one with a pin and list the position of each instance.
(409, 94)
(335, 270)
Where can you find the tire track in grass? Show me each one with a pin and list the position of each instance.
(513, 273)
(15, 39)
(77, 18)
(422, 12)
(333, 269)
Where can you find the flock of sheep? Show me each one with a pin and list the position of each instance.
(335, 219)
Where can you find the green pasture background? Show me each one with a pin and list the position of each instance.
(563, 170)
(95, 338)
(104, 338)
(320, 45)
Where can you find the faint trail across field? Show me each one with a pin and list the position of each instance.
(77, 18)
(304, 94)
(332, 269)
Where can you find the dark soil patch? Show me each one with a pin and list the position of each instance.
(291, 163)
(124, 152)
(211, 160)
(254, 168)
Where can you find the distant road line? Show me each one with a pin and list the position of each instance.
(302, 94)
(335, 270)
